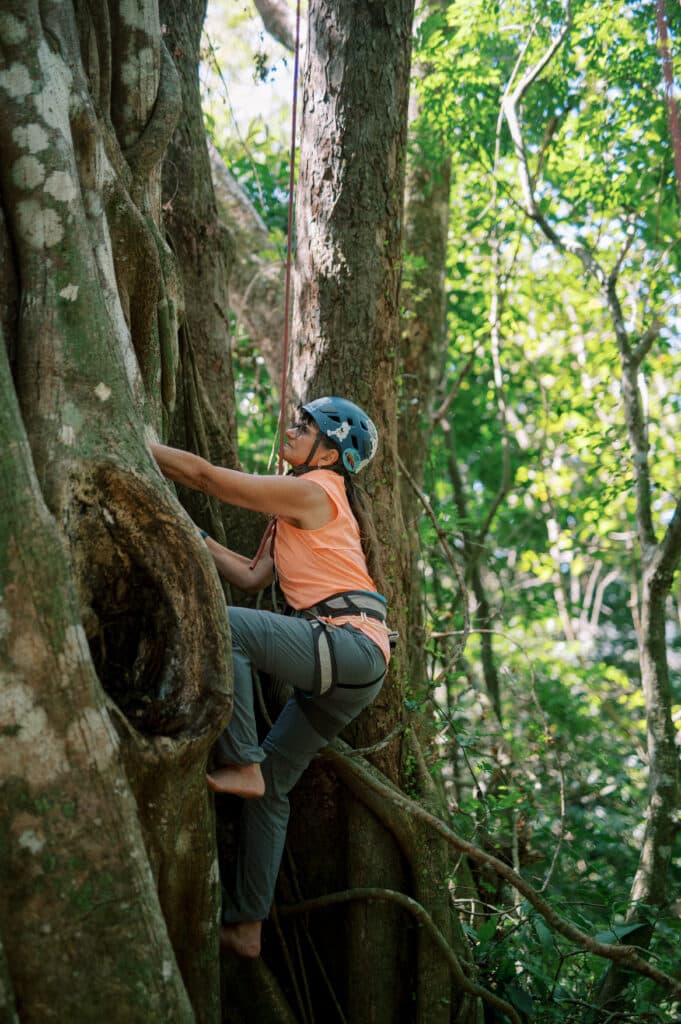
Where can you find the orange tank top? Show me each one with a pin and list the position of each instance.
(314, 564)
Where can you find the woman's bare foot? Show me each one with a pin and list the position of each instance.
(242, 938)
(244, 780)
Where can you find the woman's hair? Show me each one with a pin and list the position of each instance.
(359, 505)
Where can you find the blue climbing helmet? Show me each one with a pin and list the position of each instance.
(348, 427)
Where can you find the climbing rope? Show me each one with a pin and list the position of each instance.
(270, 531)
(289, 241)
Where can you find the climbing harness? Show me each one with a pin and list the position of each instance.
(348, 602)
(365, 604)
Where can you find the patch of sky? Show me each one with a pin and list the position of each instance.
(256, 84)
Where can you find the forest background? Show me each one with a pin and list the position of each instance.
(528, 479)
(528, 400)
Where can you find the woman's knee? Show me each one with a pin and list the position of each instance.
(280, 774)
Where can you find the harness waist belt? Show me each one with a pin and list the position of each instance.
(348, 602)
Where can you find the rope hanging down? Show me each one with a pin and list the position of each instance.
(289, 241)
(272, 525)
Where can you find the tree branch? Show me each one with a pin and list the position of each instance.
(668, 554)
(509, 105)
(153, 142)
(362, 777)
(646, 342)
(441, 411)
(381, 744)
(424, 919)
(279, 21)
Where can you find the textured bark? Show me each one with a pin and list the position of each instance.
(423, 343)
(347, 341)
(202, 248)
(348, 251)
(79, 913)
(88, 99)
(423, 350)
(424, 333)
(206, 254)
(650, 888)
(8, 1010)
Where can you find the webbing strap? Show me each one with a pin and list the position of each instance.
(350, 602)
(322, 721)
(361, 686)
(325, 660)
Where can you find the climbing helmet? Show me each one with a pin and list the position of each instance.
(348, 427)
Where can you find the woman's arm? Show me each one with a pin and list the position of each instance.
(302, 502)
(235, 568)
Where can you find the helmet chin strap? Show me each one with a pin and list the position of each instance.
(304, 467)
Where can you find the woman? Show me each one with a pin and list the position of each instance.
(333, 649)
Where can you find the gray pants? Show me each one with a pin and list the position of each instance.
(283, 646)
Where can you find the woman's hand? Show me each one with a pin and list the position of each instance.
(236, 568)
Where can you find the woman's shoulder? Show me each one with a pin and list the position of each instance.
(333, 486)
(327, 479)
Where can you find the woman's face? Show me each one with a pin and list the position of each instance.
(299, 442)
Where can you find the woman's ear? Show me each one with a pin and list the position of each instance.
(329, 457)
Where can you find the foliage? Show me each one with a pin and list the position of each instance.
(256, 406)
(558, 787)
(246, 90)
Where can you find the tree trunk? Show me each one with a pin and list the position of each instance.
(204, 418)
(347, 341)
(77, 886)
(650, 888)
(424, 349)
(203, 251)
(279, 20)
(423, 338)
(89, 100)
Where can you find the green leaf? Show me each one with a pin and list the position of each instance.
(486, 931)
(618, 931)
(519, 998)
(545, 935)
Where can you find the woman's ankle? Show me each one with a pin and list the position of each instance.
(243, 780)
(243, 938)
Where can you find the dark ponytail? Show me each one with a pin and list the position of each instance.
(357, 499)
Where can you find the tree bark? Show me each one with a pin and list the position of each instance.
(347, 341)
(279, 20)
(423, 353)
(206, 253)
(203, 251)
(423, 345)
(79, 913)
(89, 99)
